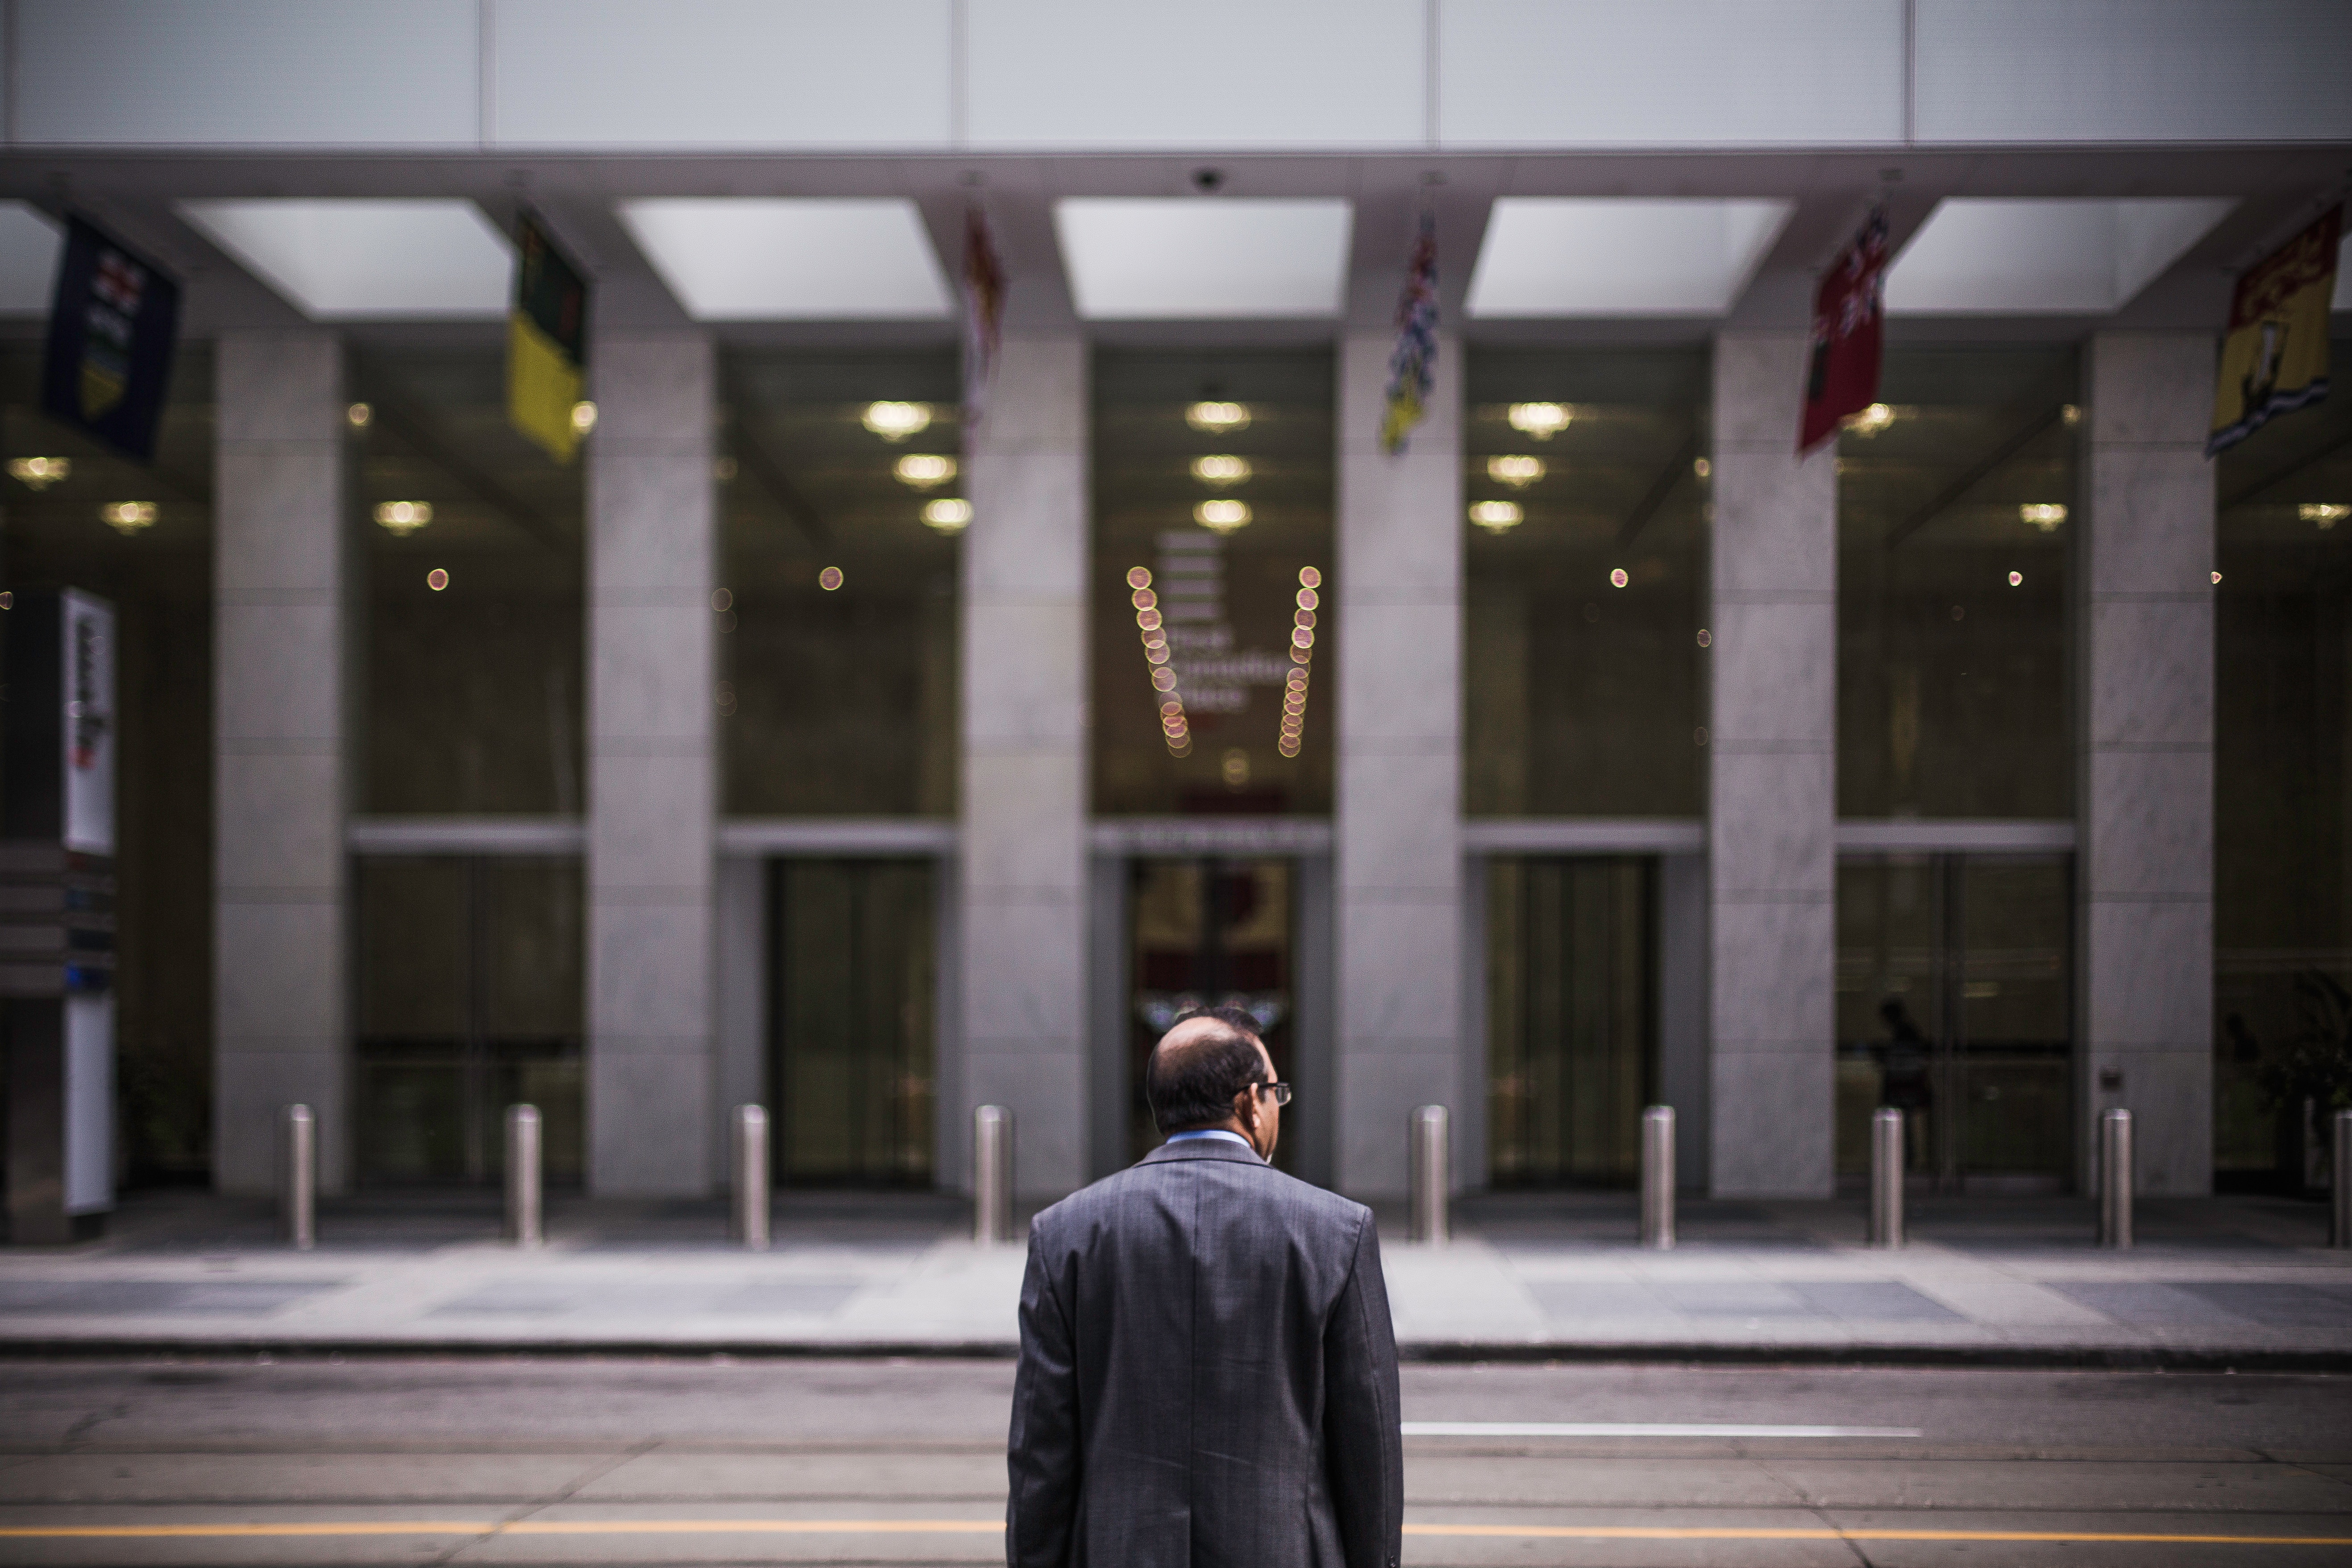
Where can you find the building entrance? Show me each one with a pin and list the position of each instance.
(852, 1021)
(1206, 933)
(1572, 1016)
(1955, 1004)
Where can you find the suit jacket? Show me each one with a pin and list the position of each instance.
(1208, 1375)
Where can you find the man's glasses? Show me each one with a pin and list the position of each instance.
(1281, 1091)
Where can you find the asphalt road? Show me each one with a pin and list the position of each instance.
(467, 1461)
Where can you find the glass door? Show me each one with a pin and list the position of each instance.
(852, 1021)
(1572, 1017)
(1955, 1004)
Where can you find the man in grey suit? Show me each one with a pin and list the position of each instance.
(1208, 1372)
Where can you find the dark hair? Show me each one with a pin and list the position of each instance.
(1193, 1085)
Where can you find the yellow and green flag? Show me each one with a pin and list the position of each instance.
(547, 344)
(2274, 359)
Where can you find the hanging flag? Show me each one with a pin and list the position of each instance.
(983, 313)
(2274, 359)
(547, 344)
(1842, 368)
(1412, 367)
(112, 326)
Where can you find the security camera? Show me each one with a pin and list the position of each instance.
(1207, 182)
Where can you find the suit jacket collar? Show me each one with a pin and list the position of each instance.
(1203, 1149)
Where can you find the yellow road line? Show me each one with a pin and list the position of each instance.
(486, 1528)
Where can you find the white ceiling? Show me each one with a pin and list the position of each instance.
(367, 260)
(1576, 255)
(1203, 259)
(760, 259)
(2059, 256)
(29, 244)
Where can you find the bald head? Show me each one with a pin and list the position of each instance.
(1199, 1065)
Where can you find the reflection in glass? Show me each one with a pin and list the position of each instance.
(837, 663)
(158, 573)
(1582, 698)
(2282, 861)
(1952, 588)
(1955, 1005)
(1175, 701)
(853, 1029)
(469, 1000)
(1572, 1017)
(1212, 933)
(471, 573)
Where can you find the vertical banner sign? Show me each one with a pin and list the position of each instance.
(1413, 364)
(1842, 366)
(547, 344)
(88, 723)
(112, 325)
(2274, 359)
(984, 315)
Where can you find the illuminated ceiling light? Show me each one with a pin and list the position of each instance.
(2328, 514)
(1221, 470)
(924, 470)
(40, 473)
(829, 579)
(128, 517)
(2045, 515)
(1618, 579)
(404, 517)
(1870, 420)
(370, 259)
(948, 514)
(358, 414)
(1496, 516)
(2070, 416)
(1222, 516)
(1701, 466)
(1541, 420)
(1517, 472)
(2017, 579)
(583, 417)
(1218, 418)
(897, 421)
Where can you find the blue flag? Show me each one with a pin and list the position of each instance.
(112, 326)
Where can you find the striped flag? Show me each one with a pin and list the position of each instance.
(1412, 367)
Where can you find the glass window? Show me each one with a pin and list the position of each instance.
(156, 569)
(1954, 502)
(837, 614)
(1212, 537)
(472, 582)
(2283, 797)
(1587, 483)
(468, 1001)
(1955, 989)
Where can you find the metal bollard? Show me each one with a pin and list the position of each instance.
(2339, 1178)
(297, 1188)
(2116, 1179)
(1658, 1177)
(524, 1189)
(751, 1221)
(1886, 1177)
(1430, 1175)
(992, 1176)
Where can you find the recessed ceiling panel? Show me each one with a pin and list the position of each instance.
(29, 244)
(1578, 255)
(760, 259)
(2058, 257)
(367, 260)
(1203, 259)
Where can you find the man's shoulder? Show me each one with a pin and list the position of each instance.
(1102, 1201)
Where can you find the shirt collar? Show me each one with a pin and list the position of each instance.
(1212, 1132)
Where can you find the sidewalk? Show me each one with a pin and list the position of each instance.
(2235, 1281)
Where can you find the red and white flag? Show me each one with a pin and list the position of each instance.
(983, 313)
(1842, 365)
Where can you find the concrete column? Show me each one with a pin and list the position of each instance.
(1023, 878)
(2144, 626)
(651, 784)
(281, 779)
(1397, 634)
(1771, 781)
